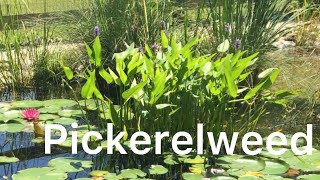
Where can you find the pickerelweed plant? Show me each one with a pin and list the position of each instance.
(174, 87)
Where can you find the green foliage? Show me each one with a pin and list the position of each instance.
(174, 88)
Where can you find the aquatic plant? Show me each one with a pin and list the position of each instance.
(173, 88)
(31, 115)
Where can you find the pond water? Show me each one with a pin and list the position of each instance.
(20, 145)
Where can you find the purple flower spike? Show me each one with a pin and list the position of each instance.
(227, 27)
(140, 49)
(155, 47)
(97, 31)
(237, 44)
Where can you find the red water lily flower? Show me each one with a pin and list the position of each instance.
(31, 115)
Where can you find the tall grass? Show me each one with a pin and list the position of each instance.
(256, 23)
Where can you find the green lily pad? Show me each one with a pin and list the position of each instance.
(16, 120)
(46, 173)
(112, 176)
(5, 159)
(132, 173)
(191, 176)
(248, 177)
(49, 110)
(68, 164)
(156, 169)
(306, 163)
(309, 177)
(60, 103)
(245, 163)
(47, 117)
(171, 160)
(69, 113)
(272, 177)
(222, 178)
(39, 140)
(11, 127)
(64, 121)
(12, 114)
(275, 167)
(27, 104)
(89, 104)
(67, 143)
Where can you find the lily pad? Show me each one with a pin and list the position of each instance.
(12, 114)
(49, 109)
(112, 176)
(306, 163)
(245, 163)
(68, 164)
(191, 176)
(222, 178)
(248, 177)
(64, 121)
(46, 173)
(275, 167)
(132, 173)
(69, 113)
(309, 177)
(171, 160)
(27, 104)
(156, 169)
(47, 117)
(60, 103)
(5, 159)
(11, 127)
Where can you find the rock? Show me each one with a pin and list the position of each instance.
(282, 43)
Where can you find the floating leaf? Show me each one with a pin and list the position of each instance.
(309, 177)
(222, 178)
(45, 173)
(132, 173)
(275, 167)
(156, 169)
(11, 127)
(46, 117)
(69, 113)
(60, 103)
(27, 104)
(68, 164)
(5, 159)
(64, 121)
(191, 176)
(245, 163)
